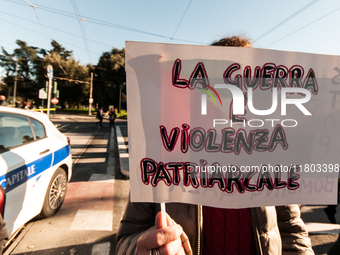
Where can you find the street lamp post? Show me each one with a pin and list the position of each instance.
(91, 99)
(120, 97)
(50, 77)
(15, 83)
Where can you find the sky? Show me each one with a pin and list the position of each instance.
(89, 28)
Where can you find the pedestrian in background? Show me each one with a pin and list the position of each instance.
(100, 116)
(27, 105)
(112, 116)
(3, 100)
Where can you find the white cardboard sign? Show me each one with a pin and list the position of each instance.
(232, 127)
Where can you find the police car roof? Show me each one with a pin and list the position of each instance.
(33, 114)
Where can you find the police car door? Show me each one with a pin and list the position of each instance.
(23, 158)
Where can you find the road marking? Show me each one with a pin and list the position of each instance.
(84, 149)
(100, 220)
(102, 178)
(94, 160)
(123, 153)
(92, 220)
(322, 228)
(110, 170)
(68, 131)
(101, 249)
(89, 196)
(61, 126)
(120, 139)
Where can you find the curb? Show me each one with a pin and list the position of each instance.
(123, 153)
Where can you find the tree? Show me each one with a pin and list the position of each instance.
(30, 65)
(57, 48)
(110, 81)
(66, 69)
(23, 63)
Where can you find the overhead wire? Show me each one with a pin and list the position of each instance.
(286, 20)
(179, 23)
(41, 33)
(33, 6)
(42, 28)
(59, 30)
(304, 26)
(106, 23)
(5, 42)
(82, 28)
(109, 24)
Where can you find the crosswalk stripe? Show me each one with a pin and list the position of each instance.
(123, 152)
(92, 220)
(323, 228)
(110, 170)
(101, 249)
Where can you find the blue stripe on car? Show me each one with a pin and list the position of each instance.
(21, 174)
(61, 154)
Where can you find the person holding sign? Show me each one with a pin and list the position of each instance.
(197, 229)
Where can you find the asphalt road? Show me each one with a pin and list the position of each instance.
(95, 200)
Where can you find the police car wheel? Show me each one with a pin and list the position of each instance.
(55, 194)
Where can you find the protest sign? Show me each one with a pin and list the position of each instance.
(232, 127)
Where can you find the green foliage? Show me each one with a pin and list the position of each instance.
(122, 114)
(109, 83)
(22, 63)
(30, 65)
(67, 71)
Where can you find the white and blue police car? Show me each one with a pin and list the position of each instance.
(35, 166)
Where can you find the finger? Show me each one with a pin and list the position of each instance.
(158, 237)
(171, 248)
(181, 252)
(168, 234)
(158, 220)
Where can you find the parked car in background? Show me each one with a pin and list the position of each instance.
(35, 166)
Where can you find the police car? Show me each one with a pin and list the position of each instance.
(35, 166)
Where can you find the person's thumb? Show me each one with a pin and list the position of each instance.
(159, 223)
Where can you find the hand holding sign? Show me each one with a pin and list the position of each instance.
(166, 239)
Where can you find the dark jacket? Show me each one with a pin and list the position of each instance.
(3, 235)
(112, 116)
(99, 114)
(278, 230)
